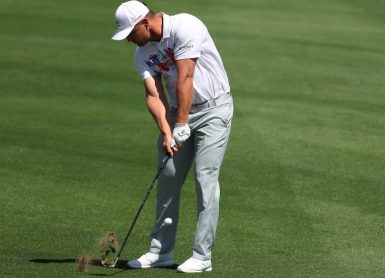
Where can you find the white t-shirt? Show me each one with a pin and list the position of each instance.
(184, 36)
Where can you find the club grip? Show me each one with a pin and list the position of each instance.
(164, 161)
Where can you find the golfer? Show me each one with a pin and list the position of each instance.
(177, 54)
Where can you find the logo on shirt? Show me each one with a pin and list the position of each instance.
(170, 54)
(186, 47)
(161, 62)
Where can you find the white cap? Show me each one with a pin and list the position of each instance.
(127, 16)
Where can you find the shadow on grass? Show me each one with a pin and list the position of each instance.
(121, 265)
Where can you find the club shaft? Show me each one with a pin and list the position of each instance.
(164, 161)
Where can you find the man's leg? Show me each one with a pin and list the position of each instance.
(168, 196)
(170, 183)
(211, 134)
(210, 143)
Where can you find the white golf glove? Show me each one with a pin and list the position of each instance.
(173, 143)
(181, 133)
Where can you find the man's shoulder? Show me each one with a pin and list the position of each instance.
(185, 19)
(183, 16)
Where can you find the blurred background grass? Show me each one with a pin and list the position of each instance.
(302, 182)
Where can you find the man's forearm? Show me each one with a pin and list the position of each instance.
(159, 112)
(184, 98)
(184, 88)
(157, 104)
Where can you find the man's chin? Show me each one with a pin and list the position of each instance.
(141, 44)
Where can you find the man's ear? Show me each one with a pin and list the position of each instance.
(145, 22)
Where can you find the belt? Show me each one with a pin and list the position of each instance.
(210, 103)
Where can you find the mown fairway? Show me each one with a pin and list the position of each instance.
(303, 191)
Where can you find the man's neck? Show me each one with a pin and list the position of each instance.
(157, 27)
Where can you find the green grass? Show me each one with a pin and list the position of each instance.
(302, 184)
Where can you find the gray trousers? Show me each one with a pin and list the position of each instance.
(205, 149)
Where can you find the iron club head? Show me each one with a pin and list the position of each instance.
(109, 263)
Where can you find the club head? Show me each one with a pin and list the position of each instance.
(109, 263)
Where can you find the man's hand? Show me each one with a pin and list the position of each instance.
(169, 146)
(181, 133)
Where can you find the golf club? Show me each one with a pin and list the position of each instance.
(112, 265)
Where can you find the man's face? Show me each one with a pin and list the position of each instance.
(140, 35)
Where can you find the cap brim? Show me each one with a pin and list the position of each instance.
(121, 35)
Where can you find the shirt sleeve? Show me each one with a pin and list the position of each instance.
(143, 67)
(188, 38)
